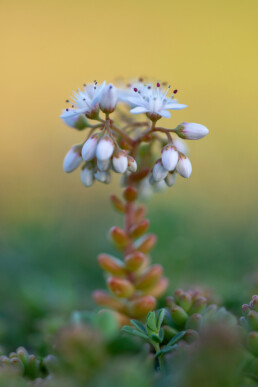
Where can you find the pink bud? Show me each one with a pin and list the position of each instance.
(72, 159)
(108, 99)
(159, 172)
(105, 148)
(191, 131)
(184, 166)
(169, 157)
(89, 148)
(120, 161)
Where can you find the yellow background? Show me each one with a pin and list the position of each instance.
(205, 49)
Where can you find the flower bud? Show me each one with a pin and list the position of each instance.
(253, 319)
(130, 194)
(253, 342)
(105, 148)
(121, 287)
(141, 306)
(170, 179)
(185, 301)
(179, 315)
(181, 146)
(74, 120)
(117, 203)
(89, 148)
(138, 230)
(111, 264)
(120, 161)
(119, 237)
(169, 157)
(72, 159)
(147, 243)
(103, 177)
(184, 166)
(87, 176)
(159, 172)
(132, 165)
(194, 322)
(108, 99)
(191, 131)
(254, 303)
(150, 277)
(199, 305)
(103, 299)
(158, 289)
(134, 260)
(103, 165)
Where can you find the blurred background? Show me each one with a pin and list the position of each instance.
(52, 228)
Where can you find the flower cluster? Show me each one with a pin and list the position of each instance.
(116, 144)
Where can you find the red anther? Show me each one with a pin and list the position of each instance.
(135, 89)
(175, 91)
(67, 110)
(140, 79)
(158, 84)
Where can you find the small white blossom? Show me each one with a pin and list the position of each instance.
(103, 177)
(108, 99)
(105, 148)
(72, 159)
(159, 172)
(191, 131)
(170, 179)
(89, 148)
(169, 157)
(120, 161)
(84, 102)
(74, 121)
(87, 176)
(153, 101)
(132, 165)
(184, 166)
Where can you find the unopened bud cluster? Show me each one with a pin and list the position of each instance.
(116, 143)
(22, 363)
(133, 283)
(249, 322)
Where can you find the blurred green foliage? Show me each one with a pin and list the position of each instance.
(48, 267)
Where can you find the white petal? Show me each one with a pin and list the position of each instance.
(169, 157)
(72, 159)
(175, 106)
(184, 167)
(159, 172)
(138, 110)
(105, 148)
(164, 113)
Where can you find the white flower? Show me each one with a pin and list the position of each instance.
(170, 179)
(72, 159)
(159, 172)
(120, 161)
(87, 176)
(84, 102)
(169, 157)
(105, 148)
(184, 166)
(191, 131)
(153, 101)
(132, 165)
(108, 99)
(75, 121)
(103, 177)
(89, 148)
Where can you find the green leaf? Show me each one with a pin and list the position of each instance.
(160, 318)
(155, 338)
(134, 332)
(161, 335)
(151, 321)
(138, 325)
(176, 338)
(165, 349)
